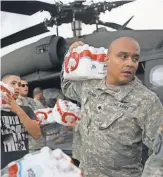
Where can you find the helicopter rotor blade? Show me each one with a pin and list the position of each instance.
(24, 34)
(125, 24)
(27, 7)
(116, 4)
(113, 25)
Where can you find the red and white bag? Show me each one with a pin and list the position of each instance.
(42, 115)
(66, 112)
(85, 62)
(5, 90)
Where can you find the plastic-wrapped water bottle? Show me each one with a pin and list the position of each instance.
(28, 156)
(63, 166)
(79, 49)
(92, 49)
(85, 47)
(72, 63)
(102, 49)
(5, 90)
(67, 54)
(100, 54)
(44, 163)
(93, 52)
(106, 51)
(58, 154)
(88, 65)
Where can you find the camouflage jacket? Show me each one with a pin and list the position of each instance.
(36, 144)
(26, 101)
(114, 123)
(154, 164)
(40, 104)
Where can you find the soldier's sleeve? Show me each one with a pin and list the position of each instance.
(154, 164)
(153, 120)
(71, 89)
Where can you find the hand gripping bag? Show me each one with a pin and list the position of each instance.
(5, 90)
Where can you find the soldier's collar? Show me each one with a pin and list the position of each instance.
(119, 92)
(22, 97)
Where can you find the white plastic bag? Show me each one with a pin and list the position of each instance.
(43, 115)
(66, 112)
(5, 90)
(43, 163)
(85, 62)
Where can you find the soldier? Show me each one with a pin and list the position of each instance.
(154, 165)
(22, 99)
(118, 115)
(39, 98)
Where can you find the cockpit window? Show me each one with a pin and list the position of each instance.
(156, 76)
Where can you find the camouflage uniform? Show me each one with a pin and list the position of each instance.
(34, 144)
(154, 165)
(26, 101)
(114, 123)
(40, 105)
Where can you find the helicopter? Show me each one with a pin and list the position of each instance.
(41, 61)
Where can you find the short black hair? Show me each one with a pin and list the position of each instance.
(37, 90)
(23, 79)
(9, 74)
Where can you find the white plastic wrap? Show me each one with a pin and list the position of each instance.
(5, 90)
(44, 116)
(43, 163)
(64, 112)
(85, 62)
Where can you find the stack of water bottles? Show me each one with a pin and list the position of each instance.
(64, 112)
(44, 163)
(85, 62)
(5, 90)
(44, 116)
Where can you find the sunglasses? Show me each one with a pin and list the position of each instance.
(23, 85)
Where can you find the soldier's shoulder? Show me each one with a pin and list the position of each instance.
(30, 99)
(91, 83)
(145, 93)
(19, 97)
(19, 100)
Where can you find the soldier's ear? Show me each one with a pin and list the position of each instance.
(107, 59)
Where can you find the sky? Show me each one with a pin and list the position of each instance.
(147, 15)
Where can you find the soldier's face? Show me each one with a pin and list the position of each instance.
(14, 82)
(39, 95)
(24, 88)
(123, 61)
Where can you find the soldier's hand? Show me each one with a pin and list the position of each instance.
(12, 105)
(76, 44)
